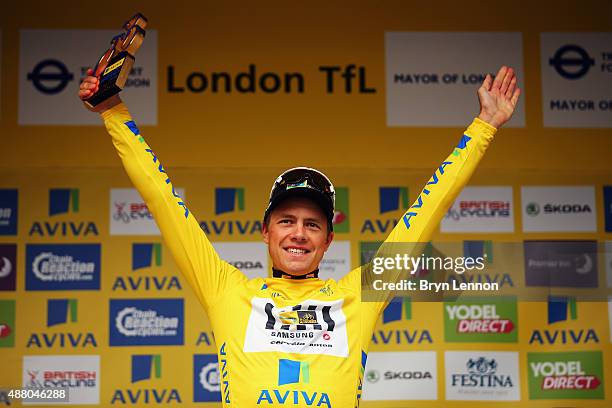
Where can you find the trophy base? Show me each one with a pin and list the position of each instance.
(112, 79)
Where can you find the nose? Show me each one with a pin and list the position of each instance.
(299, 232)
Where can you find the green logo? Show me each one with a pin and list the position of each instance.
(577, 375)
(7, 323)
(372, 376)
(532, 209)
(481, 320)
(341, 213)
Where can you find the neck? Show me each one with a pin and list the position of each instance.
(277, 273)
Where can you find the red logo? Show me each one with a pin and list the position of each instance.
(5, 330)
(326, 336)
(339, 217)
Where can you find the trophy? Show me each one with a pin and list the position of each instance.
(115, 65)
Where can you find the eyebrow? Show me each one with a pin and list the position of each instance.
(287, 215)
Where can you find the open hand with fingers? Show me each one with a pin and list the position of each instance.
(498, 98)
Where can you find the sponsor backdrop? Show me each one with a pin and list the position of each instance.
(91, 299)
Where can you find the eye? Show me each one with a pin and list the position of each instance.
(313, 225)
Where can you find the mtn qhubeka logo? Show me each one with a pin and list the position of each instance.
(577, 375)
(532, 209)
(481, 320)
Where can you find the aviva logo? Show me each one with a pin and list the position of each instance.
(63, 200)
(562, 309)
(289, 372)
(400, 308)
(393, 199)
(558, 307)
(60, 311)
(229, 200)
(145, 367)
(146, 255)
(478, 249)
(293, 372)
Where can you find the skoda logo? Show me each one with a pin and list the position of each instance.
(372, 376)
(532, 209)
(50, 76)
(571, 61)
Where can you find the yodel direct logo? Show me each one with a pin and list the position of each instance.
(576, 375)
(481, 320)
(63, 267)
(139, 322)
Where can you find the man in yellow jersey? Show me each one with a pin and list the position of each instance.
(294, 340)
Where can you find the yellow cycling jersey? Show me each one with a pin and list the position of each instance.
(282, 342)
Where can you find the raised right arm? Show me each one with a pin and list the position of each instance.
(206, 273)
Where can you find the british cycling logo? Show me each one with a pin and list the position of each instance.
(79, 374)
(145, 367)
(62, 266)
(312, 327)
(480, 209)
(141, 322)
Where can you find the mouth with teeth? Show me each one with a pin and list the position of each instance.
(297, 251)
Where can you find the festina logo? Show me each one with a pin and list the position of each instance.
(134, 283)
(404, 336)
(63, 229)
(478, 319)
(61, 340)
(566, 208)
(482, 374)
(146, 396)
(564, 336)
(564, 375)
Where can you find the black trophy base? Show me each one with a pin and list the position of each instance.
(112, 79)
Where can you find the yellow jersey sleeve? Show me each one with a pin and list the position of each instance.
(422, 218)
(208, 275)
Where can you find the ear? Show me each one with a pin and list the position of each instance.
(265, 232)
(328, 241)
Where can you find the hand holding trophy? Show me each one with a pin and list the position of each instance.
(114, 66)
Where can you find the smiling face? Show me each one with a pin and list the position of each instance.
(297, 236)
